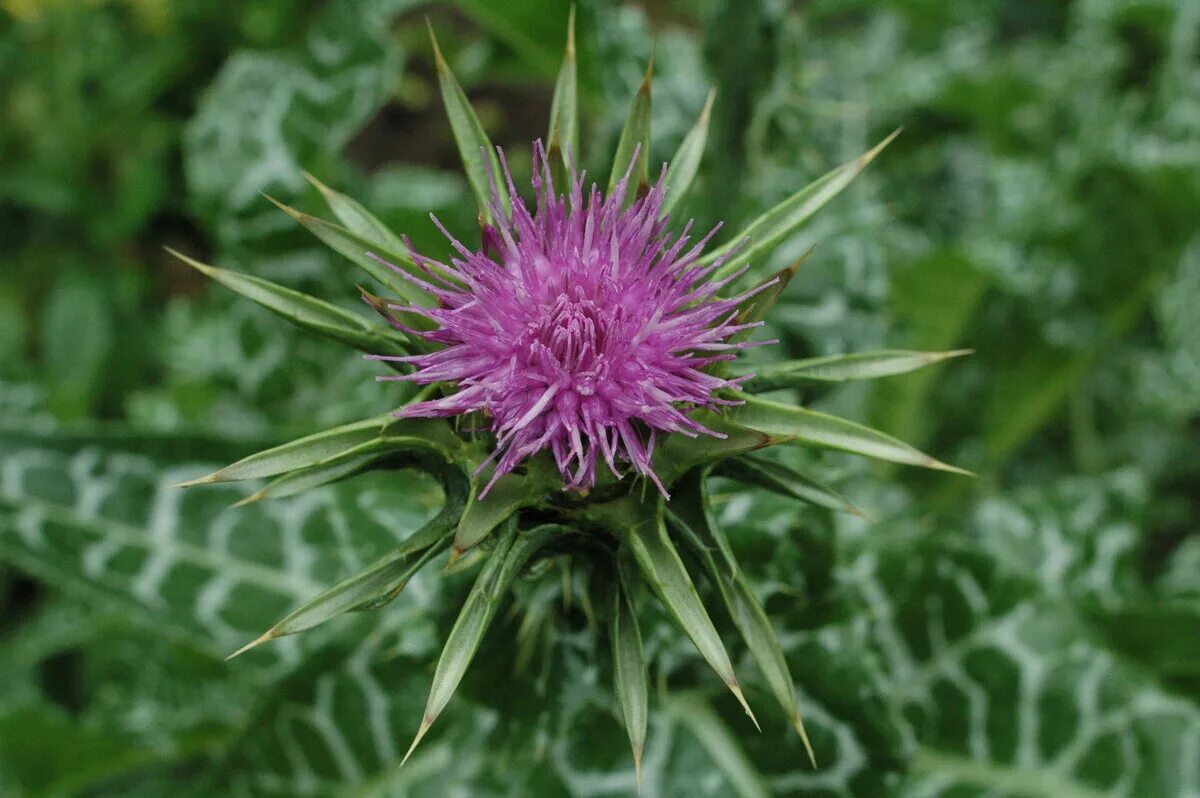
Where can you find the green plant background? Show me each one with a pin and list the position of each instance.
(1033, 632)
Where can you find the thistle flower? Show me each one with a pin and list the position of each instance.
(587, 330)
(583, 328)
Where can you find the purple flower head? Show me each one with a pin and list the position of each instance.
(583, 328)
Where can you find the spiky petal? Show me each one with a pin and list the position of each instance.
(583, 328)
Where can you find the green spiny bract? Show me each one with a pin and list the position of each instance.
(533, 509)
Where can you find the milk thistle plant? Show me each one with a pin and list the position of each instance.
(579, 386)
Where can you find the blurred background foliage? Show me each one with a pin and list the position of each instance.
(1034, 632)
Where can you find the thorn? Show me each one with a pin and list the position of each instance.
(649, 78)
(256, 496)
(439, 61)
(798, 263)
(426, 722)
(940, 356)
(870, 154)
(706, 114)
(850, 508)
(938, 465)
(268, 635)
(770, 440)
(317, 184)
(203, 268)
(455, 553)
(798, 724)
(737, 691)
(570, 54)
(290, 211)
(205, 480)
(637, 768)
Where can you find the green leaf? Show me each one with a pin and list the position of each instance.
(359, 250)
(686, 162)
(856, 366)
(630, 679)
(679, 453)
(306, 311)
(784, 480)
(478, 155)
(512, 550)
(300, 453)
(785, 218)
(383, 580)
(689, 508)
(357, 219)
(563, 139)
(379, 583)
(383, 451)
(510, 493)
(297, 482)
(820, 429)
(689, 514)
(841, 368)
(634, 141)
(663, 569)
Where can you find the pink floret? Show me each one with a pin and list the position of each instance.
(583, 328)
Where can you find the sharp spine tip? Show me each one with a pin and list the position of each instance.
(649, 78)
(205, 480)
(798, 725)
(571, 33)
(426, 722)
(292, 212)
(870, 154)
(257, 496)
(253, 643)
(952, 469)
(737, 691)
(439, 61)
